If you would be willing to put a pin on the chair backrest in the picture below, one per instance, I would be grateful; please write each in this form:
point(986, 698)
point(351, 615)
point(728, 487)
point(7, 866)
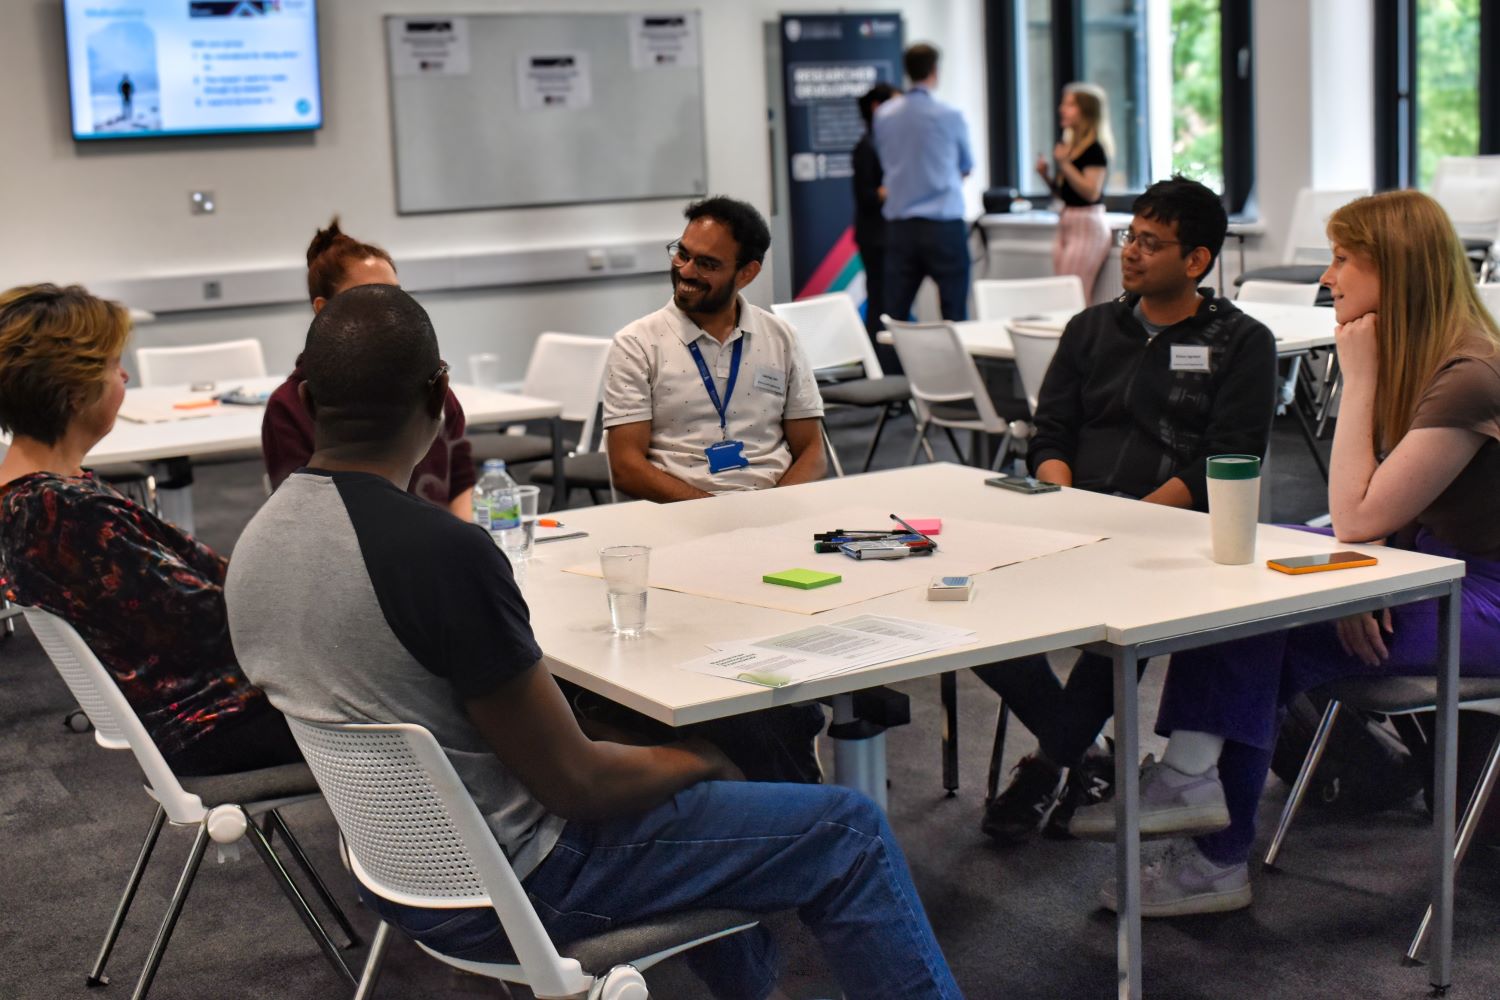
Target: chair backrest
point(1011, 297)
point(1306, 237)
point(831, 332)
point(116, 725)
point(1284, 292)
point(221, 362)
point(941, 370)
point(416, 837)
point(1468, 188)
point(1490, 296)
point(568, 368)
point(1034, 350)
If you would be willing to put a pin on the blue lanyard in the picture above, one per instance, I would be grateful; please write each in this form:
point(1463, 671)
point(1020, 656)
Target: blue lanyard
point(708, 380)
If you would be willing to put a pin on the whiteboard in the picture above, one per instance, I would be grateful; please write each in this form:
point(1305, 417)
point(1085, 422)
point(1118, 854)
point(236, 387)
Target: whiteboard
point(506, 110)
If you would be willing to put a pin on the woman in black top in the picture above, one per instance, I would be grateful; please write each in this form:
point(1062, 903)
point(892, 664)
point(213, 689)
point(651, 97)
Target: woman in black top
point(869, 223)
point(1082, 160)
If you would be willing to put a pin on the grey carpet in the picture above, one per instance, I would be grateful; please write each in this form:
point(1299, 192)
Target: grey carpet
point(1014, 923)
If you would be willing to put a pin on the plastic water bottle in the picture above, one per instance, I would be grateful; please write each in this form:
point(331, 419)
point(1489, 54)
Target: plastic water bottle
point(496, 509)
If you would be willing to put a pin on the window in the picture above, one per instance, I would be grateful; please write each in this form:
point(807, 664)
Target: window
point(1434, 96)
point(1176, 73)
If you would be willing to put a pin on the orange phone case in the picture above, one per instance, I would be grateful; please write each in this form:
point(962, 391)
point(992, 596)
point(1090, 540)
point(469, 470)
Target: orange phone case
point(1299, 570)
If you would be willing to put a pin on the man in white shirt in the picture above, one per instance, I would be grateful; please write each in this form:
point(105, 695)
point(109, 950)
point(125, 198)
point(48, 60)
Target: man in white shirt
point(710, 394)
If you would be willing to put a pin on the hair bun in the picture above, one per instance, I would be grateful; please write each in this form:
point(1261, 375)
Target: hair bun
point(324, 239)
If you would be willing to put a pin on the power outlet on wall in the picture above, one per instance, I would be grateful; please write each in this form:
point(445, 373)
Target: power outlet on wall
point(201, 203)
point(212, 290)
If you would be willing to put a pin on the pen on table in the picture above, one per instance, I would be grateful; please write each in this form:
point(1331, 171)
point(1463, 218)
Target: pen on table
point(914, 531)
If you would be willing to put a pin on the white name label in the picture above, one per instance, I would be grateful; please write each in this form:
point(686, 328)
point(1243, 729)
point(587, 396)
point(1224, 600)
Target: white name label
point(1190, 358)
point(770, 380)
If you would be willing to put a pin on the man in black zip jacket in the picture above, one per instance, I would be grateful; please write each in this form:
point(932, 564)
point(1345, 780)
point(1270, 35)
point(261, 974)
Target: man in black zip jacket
point(1140, 392)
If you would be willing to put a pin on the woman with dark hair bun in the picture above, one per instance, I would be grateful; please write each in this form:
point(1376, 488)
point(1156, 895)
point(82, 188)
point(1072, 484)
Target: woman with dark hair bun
point(337, 262)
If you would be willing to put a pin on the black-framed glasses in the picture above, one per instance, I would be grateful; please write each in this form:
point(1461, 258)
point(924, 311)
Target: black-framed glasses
point(1147, 243)
point(442, 369)
point(680, 258)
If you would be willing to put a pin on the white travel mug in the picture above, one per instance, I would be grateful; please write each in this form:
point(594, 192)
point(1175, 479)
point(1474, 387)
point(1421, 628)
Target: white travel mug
point(1233, 507)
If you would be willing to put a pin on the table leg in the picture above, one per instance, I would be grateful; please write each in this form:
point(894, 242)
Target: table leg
point(859, 762)
point(559, 468)
point(1445, 764)
point(1127, 824)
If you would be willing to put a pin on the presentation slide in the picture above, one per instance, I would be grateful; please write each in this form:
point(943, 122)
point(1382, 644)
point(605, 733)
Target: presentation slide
point(192, 67)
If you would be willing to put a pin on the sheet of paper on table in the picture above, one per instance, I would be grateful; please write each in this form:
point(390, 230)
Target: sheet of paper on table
point(160, 405)
point(729, 566)
point(824, 650)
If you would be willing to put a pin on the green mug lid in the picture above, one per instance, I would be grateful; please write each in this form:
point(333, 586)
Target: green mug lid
point(1233, 467)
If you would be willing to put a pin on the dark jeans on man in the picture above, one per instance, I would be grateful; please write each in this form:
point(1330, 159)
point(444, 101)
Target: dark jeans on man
point(1066, 720)
point(927, 248)
point(873, 258)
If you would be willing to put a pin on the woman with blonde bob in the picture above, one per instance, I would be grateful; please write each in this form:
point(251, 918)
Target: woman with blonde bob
point(147, 599)
point(1082, 160)
point(1415, 465)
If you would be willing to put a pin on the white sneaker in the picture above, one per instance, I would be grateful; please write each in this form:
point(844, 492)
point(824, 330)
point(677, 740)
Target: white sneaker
point(1177, 880)
point(1172, 804)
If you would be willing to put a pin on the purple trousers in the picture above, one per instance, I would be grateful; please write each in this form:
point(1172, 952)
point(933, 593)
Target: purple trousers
point(1238, 689)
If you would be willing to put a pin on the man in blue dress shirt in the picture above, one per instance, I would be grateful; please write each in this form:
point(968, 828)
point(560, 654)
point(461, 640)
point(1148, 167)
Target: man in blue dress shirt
point(923, 145)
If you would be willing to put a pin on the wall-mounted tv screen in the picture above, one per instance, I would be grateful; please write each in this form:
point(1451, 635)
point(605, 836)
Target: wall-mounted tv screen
point(139, 68)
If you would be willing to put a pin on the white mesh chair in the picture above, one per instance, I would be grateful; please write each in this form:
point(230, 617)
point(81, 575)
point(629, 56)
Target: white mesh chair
point(1468, 188)
point(223, 808)
point(415, 837)
point(1034, 350)
point(1390, 696)
point(946, 387)
point(569, 369)
point(1002, 299)
point(1283, 292)
point(839, 350)
point(218, 363)
point(1305, 252)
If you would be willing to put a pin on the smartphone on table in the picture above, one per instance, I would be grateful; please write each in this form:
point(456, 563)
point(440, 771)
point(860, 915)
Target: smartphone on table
point(1297, 565)
point(1022, 484)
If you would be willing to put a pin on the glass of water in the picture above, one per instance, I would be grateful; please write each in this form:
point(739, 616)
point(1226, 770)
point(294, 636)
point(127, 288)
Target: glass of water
point(625, 568)
point(518, 542)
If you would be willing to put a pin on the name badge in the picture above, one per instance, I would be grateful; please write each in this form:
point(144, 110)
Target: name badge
point(1190, 358)
point(725, 455)
point(770, 380)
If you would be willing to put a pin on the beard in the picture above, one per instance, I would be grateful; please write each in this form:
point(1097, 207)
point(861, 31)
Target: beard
point(699, 297)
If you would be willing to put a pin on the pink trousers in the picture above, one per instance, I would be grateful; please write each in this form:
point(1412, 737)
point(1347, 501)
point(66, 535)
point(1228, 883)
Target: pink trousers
point(1082, 244)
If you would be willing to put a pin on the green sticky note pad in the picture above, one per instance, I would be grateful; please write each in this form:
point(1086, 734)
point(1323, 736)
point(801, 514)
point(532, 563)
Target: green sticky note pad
point(802, 579)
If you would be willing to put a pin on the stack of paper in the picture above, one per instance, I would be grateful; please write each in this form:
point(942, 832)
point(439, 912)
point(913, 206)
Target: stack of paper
point(824, 650)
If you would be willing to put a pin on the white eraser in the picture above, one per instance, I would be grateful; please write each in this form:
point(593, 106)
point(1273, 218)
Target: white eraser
point(950, 588)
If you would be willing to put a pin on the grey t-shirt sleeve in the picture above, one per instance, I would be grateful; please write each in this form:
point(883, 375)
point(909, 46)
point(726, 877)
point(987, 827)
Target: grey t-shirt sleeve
point(445, 590)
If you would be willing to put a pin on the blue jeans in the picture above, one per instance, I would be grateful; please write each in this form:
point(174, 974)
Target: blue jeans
point(1238, 689)
point(824, 851)
point(927, 248)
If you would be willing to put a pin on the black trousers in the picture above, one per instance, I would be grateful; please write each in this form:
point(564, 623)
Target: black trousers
point(873, 258)
point(927, 248)
point(1065, 719)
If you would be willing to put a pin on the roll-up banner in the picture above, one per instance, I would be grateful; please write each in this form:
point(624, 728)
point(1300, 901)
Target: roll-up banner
point(828, 61)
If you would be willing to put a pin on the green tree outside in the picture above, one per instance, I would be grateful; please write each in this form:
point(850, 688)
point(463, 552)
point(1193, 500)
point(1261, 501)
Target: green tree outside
point(1197, 121)
point(1447, 83)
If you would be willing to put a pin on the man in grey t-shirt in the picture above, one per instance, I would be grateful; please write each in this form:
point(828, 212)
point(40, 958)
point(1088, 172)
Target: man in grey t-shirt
point(351, 601)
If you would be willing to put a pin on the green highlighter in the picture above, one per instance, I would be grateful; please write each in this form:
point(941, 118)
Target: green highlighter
point(802, 579)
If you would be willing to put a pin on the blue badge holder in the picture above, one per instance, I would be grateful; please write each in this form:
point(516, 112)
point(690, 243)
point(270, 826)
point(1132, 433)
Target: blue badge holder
point(725, 455)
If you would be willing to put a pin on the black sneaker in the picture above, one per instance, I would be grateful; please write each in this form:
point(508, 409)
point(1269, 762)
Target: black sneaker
point(1017, 813)
point(1090, 783)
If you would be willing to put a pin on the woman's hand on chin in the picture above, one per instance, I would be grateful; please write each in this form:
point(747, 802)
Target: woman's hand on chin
point(1359, 348)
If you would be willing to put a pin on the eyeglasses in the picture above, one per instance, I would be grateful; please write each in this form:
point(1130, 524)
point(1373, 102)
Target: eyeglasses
point(442, 369)
point(1148, 244)
point(680, 257)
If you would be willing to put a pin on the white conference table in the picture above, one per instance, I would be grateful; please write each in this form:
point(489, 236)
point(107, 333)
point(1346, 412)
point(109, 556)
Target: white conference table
point(226, 429)
point(1150, 588)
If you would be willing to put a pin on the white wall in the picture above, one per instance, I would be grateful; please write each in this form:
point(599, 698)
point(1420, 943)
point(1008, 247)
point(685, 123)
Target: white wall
point(117, 211)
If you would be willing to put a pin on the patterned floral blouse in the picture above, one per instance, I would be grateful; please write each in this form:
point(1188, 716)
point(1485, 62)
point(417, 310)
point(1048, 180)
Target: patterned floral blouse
point(148, 599)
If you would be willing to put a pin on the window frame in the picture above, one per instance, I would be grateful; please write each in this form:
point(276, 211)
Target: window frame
point(1237, 83)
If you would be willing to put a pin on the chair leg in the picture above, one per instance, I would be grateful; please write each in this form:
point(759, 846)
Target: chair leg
point(919, 443)
point(997, 753)
point(276, 821)
point(97, 976)
point(174, 910)
point(1002, 452)
point(1299, 787)
point(885, 413)
point(1473, 813)
point(912, 409)
point(299, 902)
point(953, 440)
point(371, 975)
point(833, 456)
point(948, 687)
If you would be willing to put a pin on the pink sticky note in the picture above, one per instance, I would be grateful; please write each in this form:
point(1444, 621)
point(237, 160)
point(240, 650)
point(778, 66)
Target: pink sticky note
point(926, 525)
